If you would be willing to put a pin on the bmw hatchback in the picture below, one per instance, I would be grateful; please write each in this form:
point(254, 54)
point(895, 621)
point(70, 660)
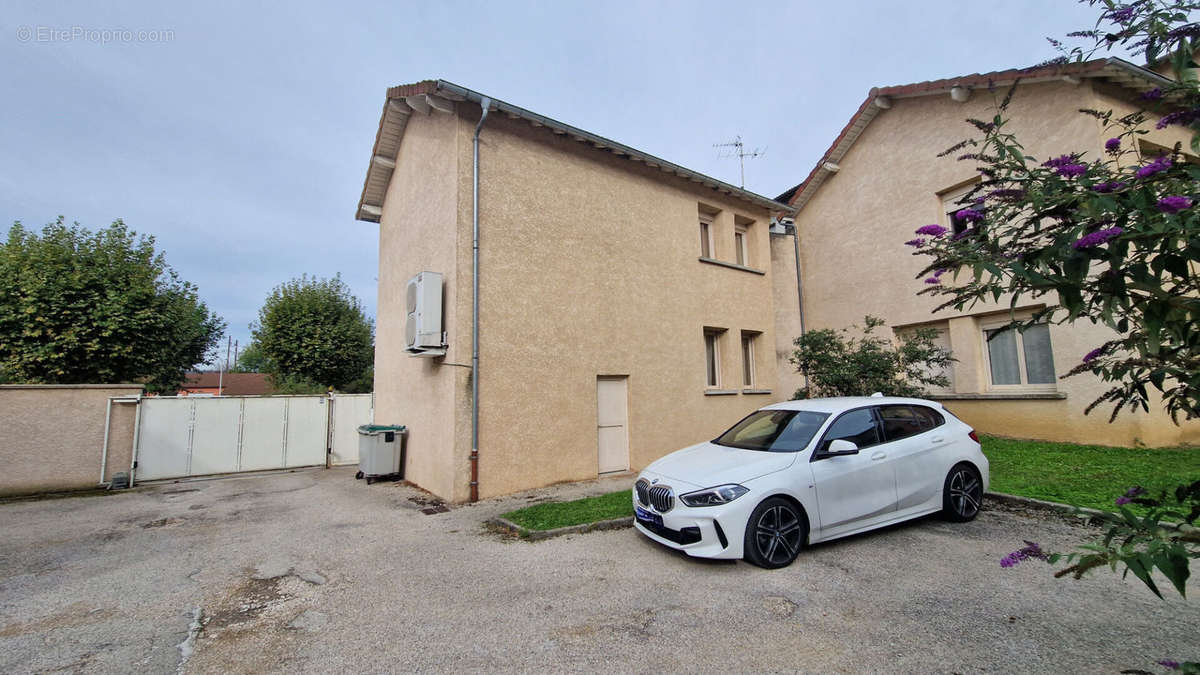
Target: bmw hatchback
point(802, 472)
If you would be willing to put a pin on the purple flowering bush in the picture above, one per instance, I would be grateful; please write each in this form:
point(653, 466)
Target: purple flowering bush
point(1105, 235)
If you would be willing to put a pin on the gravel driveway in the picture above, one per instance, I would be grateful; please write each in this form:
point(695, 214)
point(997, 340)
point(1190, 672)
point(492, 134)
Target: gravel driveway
point(314, 571)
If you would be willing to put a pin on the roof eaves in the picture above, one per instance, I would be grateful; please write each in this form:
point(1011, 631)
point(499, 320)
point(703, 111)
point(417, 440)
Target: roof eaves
point(396, 112)
point(799, 195)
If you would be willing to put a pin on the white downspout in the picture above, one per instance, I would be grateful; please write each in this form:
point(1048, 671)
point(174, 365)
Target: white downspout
point(484, 104)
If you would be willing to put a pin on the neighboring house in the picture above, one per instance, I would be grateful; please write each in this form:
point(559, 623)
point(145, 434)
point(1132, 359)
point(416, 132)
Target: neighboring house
point(232, 384)
point(627, 306)
point(881, 180)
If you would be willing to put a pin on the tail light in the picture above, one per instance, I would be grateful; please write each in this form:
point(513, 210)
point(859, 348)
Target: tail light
point(974, 436)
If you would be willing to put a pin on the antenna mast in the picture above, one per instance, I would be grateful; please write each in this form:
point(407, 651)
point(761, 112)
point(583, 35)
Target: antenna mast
point(738, 149)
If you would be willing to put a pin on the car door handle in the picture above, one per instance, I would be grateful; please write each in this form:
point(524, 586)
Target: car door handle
point(937, 439)
point(879, 455)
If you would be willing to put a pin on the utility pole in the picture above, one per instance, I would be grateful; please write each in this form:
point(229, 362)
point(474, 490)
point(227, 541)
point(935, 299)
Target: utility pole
point(224, 365)
point(739, 151)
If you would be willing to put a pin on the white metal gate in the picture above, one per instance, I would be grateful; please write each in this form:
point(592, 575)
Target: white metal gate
point(349, 412)
point(198, 436)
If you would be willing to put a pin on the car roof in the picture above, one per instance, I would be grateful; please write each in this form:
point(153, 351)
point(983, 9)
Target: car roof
point(842, 403)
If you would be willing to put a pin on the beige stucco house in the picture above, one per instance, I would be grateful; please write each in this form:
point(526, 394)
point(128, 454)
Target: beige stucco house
point(881, 179)
point(626, 306)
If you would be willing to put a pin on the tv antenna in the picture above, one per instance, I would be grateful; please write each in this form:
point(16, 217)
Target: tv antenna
point(736, 148)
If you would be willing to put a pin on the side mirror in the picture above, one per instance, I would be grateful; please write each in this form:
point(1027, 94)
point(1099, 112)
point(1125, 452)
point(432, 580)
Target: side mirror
point(841, 447)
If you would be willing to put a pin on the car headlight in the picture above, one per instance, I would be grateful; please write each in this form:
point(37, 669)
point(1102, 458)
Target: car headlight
point(714, 496)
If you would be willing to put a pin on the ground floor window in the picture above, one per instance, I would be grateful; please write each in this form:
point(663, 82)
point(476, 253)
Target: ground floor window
point(1019, 358)
point(748, 375)
point(712, 356)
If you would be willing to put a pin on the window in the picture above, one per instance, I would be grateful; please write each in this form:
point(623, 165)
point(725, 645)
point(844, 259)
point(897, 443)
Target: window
point(748, 339)
point(856, 426)
point(942, 339)
point(774, 430)
point(899, 421)
point(739, 245)
point(928, 417)
point(1020, 358)
point(705, 238)
point(951, 207)
point(712, 356)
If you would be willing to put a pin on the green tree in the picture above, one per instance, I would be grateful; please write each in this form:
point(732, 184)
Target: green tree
point(82, 307)
point(1110, 237)
point(314, 331)
point(252, 360)
point(835, 363)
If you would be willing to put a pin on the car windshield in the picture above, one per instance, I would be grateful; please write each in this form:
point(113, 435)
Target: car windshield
point(774, 431)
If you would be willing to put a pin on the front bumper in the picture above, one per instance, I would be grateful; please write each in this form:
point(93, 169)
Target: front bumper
point(698, 531)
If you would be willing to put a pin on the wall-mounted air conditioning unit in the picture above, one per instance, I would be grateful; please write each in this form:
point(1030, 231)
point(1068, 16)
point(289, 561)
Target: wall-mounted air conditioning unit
point(423, 334)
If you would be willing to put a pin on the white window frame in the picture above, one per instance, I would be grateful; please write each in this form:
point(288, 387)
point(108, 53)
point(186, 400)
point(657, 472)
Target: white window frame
point(950, 203)
point(749, 372)
point(715, 335)
point(706, 237)
point(1024, 386)
point(741, 252)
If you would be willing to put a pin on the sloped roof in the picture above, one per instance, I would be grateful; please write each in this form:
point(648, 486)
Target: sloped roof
point(233, 384)
point(1117, 71)
point(440, 95)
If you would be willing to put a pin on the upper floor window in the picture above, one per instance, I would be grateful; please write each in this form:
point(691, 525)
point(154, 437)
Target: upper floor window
point(952, 207)
point(706, 247)
point(739, 244)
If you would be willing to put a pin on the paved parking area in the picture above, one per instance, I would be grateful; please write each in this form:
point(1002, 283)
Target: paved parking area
point(314, 571)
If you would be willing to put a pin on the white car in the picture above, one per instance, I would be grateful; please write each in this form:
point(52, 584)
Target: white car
point(801, 472)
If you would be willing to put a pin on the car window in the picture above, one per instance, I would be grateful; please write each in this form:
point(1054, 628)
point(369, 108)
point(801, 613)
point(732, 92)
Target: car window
point(856, 426)
point(900, 421)
point(928, 417)
point(774, 430)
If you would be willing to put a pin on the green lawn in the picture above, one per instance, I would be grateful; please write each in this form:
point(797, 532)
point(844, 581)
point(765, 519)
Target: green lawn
point(552, 515)
point(1084, 475)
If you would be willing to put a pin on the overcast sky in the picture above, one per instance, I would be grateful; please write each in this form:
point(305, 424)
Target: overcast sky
point(238, 134)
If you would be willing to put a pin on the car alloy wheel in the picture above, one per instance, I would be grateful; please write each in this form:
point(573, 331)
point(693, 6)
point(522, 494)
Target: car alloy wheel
point(963, 493)
point(775, 533)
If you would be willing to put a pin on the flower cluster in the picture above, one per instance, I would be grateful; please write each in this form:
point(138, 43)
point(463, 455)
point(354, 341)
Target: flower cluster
point(1181, 117)
point(1071, 170)
point(969, 215)
point(1108, 187)
point(1162, 163)
point(1154, 94)
point(937, 276)
point(1030, 550)
point(1121, 14)
point(1060, 161)
point(915, 243)
point(1096, 238)
point(1093, 355)
point(1169, 664)
point(1007, 194)
point(1129, 495)
point(932, 230)
point(1174, 204)
point(1113, 145)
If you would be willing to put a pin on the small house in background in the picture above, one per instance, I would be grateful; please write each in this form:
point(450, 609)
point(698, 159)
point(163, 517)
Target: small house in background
point(881, 179)
point(229, 384)
point(627, 306)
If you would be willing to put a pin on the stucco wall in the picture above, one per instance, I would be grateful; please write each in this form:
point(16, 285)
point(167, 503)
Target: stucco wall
point(589, 267)
point(854, 261)
point(787, 312)
point(419, 232)
point(52, 436)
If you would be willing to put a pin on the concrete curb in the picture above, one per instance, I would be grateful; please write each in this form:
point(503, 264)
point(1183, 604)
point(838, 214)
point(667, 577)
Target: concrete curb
point(1043, 504)
point(538, 535)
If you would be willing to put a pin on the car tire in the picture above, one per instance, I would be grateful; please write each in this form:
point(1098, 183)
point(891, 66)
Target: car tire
point(962, 494)
point(775, 533)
